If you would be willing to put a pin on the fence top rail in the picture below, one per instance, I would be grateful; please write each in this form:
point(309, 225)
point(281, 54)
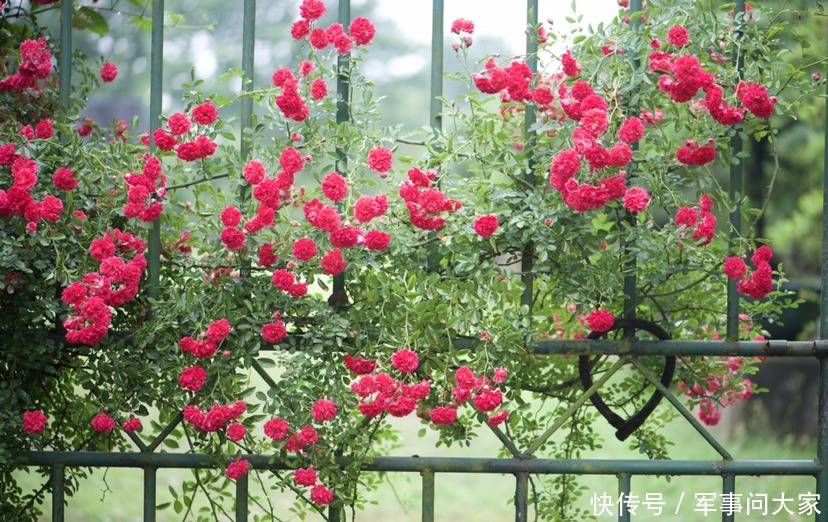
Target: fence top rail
point(442, 464)
point(772, 348)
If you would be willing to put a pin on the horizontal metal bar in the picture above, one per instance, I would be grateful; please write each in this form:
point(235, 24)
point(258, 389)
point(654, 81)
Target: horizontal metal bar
point(775, 348)
point(442, 464)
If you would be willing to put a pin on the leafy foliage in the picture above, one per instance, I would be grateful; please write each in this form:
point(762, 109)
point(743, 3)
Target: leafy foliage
point(448, 294)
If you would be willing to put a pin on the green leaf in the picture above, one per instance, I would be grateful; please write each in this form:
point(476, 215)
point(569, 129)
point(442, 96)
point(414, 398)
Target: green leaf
point(87, 18)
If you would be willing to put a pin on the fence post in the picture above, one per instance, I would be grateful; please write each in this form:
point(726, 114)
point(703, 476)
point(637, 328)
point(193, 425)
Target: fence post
point(521, 496)
point(822, 431)
point(242, 498)
point(156, 91)
point(65, 65)
point(527, 259)
point(437, 43)
point(624, 488)
point(435, 108)
point(734, 192)
point(631, 279)
point(248, 50)
point(57, 492)
point(149, 493)
point(343, 98)
point(428, 496)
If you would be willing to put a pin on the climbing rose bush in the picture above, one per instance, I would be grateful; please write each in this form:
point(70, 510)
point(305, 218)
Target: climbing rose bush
point(311, 293)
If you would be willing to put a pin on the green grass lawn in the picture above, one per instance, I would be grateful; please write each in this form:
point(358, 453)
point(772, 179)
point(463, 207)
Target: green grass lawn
point(116, 494)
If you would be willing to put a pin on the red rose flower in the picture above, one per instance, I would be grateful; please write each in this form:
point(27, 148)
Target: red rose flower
point(298, 289)
point(276, 428)
point(109, 72)
point(43, 129)
point(380, 159)
point(254, 172)
point(485, 226)
point(307, 436)
point(236, 431)
point(231, 216)
point(600, 320)
point(631, 130)
point(636, 199)
point(405, 361)
point(443, 415)
point(291, 161)
point(323, 410)
point(133, 424)
point(274, 333)
point(312, 9)
point(462, 25)
point(305, 477)
point(192, 378)
point(304, 249)
point(488, 400)
point(34, 422)
point(218, 330)
point(103, 423)
point(570, 66)
point(266, 255)
point(282, 279)
point(237, 469)
point(232, 238)
point(677, 35)
point(299, 29)
point(319, 89)
point(179, 124)
point(63, 179)
point(318, 39)
point(377, 240)
point(205, 114)
point(163, 140)
point(361, 31)
point(497, 419)
point(359, 365)
point(320, 495)
point(334, 187)
point(734, 267)
point(333, 262)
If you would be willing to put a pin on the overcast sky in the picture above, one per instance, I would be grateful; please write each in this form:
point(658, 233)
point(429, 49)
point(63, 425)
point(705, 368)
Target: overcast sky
point(503, 18)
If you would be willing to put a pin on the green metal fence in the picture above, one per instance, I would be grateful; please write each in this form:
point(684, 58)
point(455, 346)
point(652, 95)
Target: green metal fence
point(522, 464)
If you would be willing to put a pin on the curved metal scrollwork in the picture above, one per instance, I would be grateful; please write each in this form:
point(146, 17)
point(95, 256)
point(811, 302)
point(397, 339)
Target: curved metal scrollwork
point(625, 428)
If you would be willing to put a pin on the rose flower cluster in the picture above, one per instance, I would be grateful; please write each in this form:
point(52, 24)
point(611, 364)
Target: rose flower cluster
point(186, 141)
point(114, 284)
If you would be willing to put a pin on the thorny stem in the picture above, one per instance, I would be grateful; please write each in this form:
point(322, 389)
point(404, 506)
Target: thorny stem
point(205, 179)
point(699, 281)
point(772, 139)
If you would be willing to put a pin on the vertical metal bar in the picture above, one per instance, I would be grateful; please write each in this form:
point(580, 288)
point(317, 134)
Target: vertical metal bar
point(334, 514)
point(342, 115)
point(65, 73)
point(156, 90)
point(248, 49)
point(57, 493)
point(527, 261)
point(437, 16)
point(436, 90)
point(149, 493)
point(521, 497)
point(428, 495)
point(242, 498)
point(735, 192)
point(630, 280)
point(822, 432)
point(624, 489)
point(728, 487)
